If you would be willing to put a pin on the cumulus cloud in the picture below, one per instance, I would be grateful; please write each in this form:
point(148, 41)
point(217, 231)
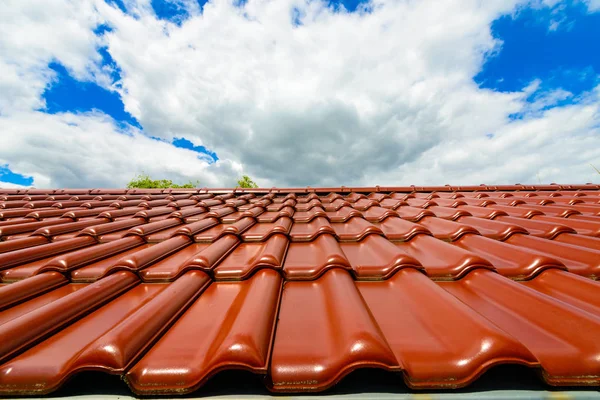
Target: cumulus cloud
point(35, 32)
point(9, 185)
point(593, 5)
point(64, 150)
point(292, 92)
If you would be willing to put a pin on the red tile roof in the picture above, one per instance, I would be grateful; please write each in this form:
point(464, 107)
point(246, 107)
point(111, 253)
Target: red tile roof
point(302, 286)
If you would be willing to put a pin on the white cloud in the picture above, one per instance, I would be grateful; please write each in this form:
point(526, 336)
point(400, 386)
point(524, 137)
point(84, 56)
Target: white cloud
point(9, 185)
point(593, 5)
point(64, 150)
point(557, 146)
point(384, 97)
point(36, 32)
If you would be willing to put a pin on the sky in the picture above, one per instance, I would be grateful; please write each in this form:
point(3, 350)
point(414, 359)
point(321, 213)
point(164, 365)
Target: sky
point(299, 92)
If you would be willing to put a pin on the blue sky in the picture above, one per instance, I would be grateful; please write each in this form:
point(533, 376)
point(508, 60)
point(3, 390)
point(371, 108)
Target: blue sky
point(545, 49)
point(566, 57)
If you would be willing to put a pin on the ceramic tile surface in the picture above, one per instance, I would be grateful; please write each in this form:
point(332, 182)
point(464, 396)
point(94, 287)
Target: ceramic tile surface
point(167, 288)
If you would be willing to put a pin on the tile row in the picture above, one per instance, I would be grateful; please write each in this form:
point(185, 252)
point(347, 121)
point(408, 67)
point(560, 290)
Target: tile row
point(170, 338)
point(445, 248)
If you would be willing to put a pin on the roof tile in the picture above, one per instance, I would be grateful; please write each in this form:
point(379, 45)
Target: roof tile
point(20, 333)
point(236, 335)
point(262, 231)
point(246, 258)
point(375, 258)
point(544, 229)
point(442, 261)
point(311, 359)
point(446, 230)
point(306, 261)
point(398, 229)
point(437, 283)
point(355, 229)
point(309, 231)
point(439, 341)
point(510, 260)
point(216, 232)
point(579, 260)
point(546, 326)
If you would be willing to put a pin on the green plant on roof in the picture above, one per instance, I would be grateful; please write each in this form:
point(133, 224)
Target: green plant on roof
point(144, 181)
point(246, 182)
point(597, 170)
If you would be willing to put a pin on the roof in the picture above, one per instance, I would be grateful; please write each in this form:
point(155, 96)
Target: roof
point(166, 288)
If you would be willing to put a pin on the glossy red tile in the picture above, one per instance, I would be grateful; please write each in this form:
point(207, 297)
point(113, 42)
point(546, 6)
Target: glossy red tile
point(307, 358)
point(378, 214)
point(235, 321)
point(237, 228)
point(439, 341)
point(336, 205)
point(247, 258)
point(22, 332)
point(107, 339)
point(153, 227)
point(398, 229)
point(262, 231)
point(450, 203)
point(509, 260)
point(517, 212)
point(365, 204)
point(22, 256)
point(375, 258)
point(303, 207)
point(272, 216)
point(553, 211)
point(587, 209)
point(164, 234)
point(14, 213)
point(18, 244)
point(306, 261)
point(543, 229)
point(89, 255)
point(442, 260)
point(421, 203)
point(378, 196)
point(103, 228)
point(309, 231)
point(21, 291)
point(482, 212)
point(193, 228)
point(27, 227)
point(448, 213)
point(392, 203)
point(307, 216)
point(447, 230)
point(579, 240)
point(135, 261)
point(570, 288)
point(171, 267)
point(343, 214)
point(546, 326)
point(581, 226)
point(355, 229)
point(210, 256)
point(414, 214)
point(20, 309)
point(578, 260)
point(493, 229)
